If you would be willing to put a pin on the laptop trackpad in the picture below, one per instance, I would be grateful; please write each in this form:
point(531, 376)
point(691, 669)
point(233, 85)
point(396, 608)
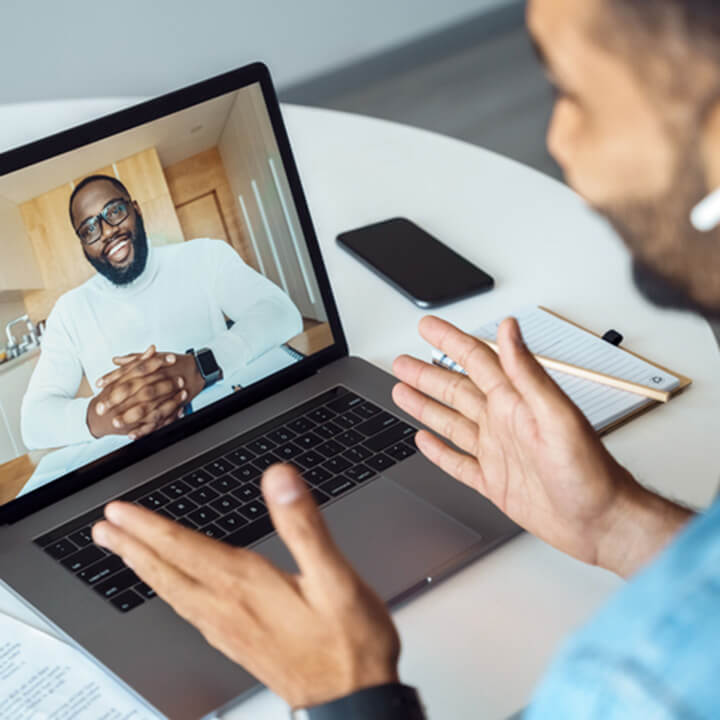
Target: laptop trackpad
point(392, 537)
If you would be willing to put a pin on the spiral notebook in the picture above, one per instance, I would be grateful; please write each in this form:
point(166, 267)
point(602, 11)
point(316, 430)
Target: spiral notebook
point(551, 335)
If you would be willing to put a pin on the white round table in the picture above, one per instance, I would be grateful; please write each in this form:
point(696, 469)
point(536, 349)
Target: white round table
point(477, 644)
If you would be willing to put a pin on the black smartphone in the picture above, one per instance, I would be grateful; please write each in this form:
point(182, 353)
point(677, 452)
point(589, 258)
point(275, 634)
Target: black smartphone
point(415, 263)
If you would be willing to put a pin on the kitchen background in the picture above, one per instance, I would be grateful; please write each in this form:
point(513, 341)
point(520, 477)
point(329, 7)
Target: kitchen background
point(212, 170)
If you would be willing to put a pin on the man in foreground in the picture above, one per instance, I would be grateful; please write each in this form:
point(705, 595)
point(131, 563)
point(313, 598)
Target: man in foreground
point(637, 130)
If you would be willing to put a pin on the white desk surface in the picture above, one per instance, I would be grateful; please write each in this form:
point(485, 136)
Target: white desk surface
point(477, 644)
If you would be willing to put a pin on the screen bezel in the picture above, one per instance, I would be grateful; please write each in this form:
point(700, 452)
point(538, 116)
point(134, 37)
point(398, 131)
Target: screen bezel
point(127, 119)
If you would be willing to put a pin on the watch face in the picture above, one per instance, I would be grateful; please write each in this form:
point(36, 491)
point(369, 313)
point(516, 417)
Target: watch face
point(207, 362)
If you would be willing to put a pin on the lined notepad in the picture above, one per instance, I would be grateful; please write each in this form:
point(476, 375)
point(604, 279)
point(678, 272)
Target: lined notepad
point(548, 335)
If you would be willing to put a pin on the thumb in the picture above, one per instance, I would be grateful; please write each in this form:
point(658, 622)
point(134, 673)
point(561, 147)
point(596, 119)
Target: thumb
point(301, 526)
point(537, 388)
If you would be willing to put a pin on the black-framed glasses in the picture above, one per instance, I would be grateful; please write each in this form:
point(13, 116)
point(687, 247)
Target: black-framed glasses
point(113, 214)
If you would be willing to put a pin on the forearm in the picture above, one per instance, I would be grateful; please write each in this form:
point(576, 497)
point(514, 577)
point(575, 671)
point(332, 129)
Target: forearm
point(643, 524)
point(51, 421)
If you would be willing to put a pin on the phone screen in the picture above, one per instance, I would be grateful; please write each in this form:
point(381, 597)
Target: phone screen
point(415, 263)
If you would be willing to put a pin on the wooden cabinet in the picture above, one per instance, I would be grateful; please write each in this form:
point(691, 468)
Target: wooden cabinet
point(56, 247)
point(18, 268)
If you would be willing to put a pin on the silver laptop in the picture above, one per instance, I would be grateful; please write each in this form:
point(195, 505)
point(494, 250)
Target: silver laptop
point(181, 224)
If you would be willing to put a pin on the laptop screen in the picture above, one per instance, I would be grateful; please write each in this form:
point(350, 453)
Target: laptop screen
point(143, 278)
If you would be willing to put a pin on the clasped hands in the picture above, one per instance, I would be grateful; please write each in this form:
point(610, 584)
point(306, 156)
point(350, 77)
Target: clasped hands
point(506, 430)
point(145, 392)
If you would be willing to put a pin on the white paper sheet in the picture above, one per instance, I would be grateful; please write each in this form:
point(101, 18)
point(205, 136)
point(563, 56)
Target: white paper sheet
point(44, 678)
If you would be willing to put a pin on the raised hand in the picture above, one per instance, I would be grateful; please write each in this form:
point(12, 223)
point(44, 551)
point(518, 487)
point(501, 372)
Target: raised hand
point(524, 445)
point(147, 391)
point(311, 637)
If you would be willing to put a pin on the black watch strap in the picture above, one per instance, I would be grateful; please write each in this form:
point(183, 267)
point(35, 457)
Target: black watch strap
point(384, 702)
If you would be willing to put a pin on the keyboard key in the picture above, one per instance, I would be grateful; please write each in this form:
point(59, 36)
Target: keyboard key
point(81, 538)
point(250, 533)
point(181, 507)
point(331, 448)
point(246, 473)
point(197, 478)
point(247, 492)
point(253, 510)
point(288, 451)
point(203, 516)
point(337, 465)
point(176, 489)
point(261, 445)
point(377, 424)
point(144, 590)
point(380, 462)
point(240, 456)
point(309, 459)
point(344, 403)
point(203, 495)
point(154, 501)
point(282, 435)
point(357, 454)
point(83, 558)
point(225, 504)
point(188, 523)
point(327, 430)
point(321, 415)
point(61, 548)
point(349, 437)
point(117, 583)
point(164, 513)
point(308, 440)
point(219, 467)
point(316, 475)
point(367, 409)
point(301, 425)
point(224, 484)
point(319, 497)
point(337, 486)
point(101, 569)
point(400, 451)
point(390, 437)
point(360, 473)
point(213, 531)
point(231, 522)
point(127, 601)
point(265, 461)
point(348, 420)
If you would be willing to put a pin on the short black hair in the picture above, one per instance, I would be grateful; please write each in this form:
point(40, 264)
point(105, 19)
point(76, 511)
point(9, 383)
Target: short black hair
point(91, 179)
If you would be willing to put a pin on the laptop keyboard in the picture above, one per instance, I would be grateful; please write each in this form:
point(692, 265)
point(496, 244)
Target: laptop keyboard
point(337, 440)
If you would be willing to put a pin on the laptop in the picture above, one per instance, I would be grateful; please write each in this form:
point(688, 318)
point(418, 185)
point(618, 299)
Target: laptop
point(181, 223)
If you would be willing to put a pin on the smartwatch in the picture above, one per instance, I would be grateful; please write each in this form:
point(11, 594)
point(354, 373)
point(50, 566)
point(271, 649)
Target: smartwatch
point(207, 365)
point(393, 701)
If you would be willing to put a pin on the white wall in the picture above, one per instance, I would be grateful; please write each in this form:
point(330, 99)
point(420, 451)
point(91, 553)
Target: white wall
point(87, 48)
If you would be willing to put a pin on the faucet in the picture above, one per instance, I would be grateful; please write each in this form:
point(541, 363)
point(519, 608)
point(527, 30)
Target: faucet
point(13, 349)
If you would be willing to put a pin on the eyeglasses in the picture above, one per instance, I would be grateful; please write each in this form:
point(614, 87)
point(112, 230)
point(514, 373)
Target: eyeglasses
point(113, 214)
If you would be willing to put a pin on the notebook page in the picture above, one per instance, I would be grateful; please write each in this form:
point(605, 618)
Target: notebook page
point(545, 334)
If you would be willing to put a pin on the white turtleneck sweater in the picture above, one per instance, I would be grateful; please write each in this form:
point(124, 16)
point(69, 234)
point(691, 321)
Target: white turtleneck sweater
point(179, 302)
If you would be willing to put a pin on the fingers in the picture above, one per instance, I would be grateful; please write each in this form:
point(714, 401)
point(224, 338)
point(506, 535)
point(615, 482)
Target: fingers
point(302, 528)
point(139, 368)
point(126, 360)
point(169, 582)
point(149, 414)
point(450, 424)
point(541, 393)
point(184, 555)
point(476, 358)
point(450, 388)
point(462, 467)
point(140, 389)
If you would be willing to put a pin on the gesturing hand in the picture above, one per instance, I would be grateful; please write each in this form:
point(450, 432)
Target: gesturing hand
point(526, 447)
point(146, 392)
point(311, 637)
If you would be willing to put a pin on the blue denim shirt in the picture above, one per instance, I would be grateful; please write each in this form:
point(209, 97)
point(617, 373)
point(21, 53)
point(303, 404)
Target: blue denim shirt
point(654, 651)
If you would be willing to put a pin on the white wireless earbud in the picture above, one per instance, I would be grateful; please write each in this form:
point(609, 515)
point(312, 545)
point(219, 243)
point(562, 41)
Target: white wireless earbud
point(706, 214)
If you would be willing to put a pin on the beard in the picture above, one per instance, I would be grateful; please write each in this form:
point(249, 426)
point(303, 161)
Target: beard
point(674, 265)
point(126, 275)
